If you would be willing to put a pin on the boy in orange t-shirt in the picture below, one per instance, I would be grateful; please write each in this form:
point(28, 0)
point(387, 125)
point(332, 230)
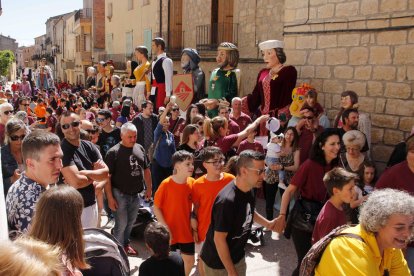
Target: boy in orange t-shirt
point(204, 192)
point(40, 111)
point(172, 206)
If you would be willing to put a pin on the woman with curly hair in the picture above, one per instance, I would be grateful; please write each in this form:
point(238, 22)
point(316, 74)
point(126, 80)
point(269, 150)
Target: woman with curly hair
point(385, 228)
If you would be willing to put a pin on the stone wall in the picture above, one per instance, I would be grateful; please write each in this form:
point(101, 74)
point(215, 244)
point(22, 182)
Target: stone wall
point(366, 46)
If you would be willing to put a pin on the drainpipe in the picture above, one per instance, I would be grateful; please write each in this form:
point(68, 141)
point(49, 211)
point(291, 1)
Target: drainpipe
point(160, 17)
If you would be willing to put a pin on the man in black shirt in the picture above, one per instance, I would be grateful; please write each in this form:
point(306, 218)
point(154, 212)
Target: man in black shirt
point(110, 135)
point(129, 170)
point(146, 122)
point(232, 217)
point(82, 165)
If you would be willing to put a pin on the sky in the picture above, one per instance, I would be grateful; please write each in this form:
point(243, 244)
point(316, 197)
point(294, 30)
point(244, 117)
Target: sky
point(24, 20)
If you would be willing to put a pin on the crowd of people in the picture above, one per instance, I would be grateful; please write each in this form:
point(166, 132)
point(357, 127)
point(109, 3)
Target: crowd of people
point(70, 155)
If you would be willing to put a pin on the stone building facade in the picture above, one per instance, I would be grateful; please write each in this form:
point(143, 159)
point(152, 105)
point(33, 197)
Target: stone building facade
point(336, 45)
point(366, 46)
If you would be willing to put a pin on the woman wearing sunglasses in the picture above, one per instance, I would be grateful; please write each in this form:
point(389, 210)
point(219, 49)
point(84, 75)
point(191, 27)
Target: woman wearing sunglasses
point(11, 154)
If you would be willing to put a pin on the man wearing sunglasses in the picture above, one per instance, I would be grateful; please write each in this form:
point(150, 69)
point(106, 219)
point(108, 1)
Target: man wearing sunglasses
point(82, 167)
point(232, 217)
point(6, 113)
point(308, 128)
point(110, 135)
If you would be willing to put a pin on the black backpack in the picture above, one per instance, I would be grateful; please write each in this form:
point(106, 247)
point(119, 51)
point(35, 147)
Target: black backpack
point(314, 255)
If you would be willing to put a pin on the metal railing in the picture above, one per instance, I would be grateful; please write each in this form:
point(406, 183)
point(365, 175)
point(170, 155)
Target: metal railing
point(83, 14)
point(118, 59)
point(209, 36)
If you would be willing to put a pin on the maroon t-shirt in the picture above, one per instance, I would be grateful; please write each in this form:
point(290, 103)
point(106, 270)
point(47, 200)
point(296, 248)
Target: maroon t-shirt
point(305, 142)
point(2, 129)
point(233, 127)
point(243, 121)
point(328, 219)
point(398, 177)
point(225, 143)
point(246, 145)
point(309, 180)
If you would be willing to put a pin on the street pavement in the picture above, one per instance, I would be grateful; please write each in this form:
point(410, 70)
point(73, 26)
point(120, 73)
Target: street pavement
point(276, 257)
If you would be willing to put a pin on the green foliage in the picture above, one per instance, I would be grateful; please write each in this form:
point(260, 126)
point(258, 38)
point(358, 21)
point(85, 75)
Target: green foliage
point(6, 59)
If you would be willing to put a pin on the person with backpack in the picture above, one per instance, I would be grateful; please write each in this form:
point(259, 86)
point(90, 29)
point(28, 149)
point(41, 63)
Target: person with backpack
point(340, 185)
point(373, 247)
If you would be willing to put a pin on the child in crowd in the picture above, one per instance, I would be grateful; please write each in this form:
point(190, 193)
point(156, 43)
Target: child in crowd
point(311, 101)
point(172, 206)
point(273, 157)
point(364, 187)
point(250, 143)
point(367, 176)
point(116, 93)
point(162, 262)
point(340, 185)
point(204, 192)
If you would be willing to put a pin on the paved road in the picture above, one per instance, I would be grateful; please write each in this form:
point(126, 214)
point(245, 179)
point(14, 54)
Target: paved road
point(276, 257)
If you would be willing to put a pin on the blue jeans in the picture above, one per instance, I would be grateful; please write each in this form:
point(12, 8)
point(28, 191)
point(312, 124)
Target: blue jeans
point(125, 215)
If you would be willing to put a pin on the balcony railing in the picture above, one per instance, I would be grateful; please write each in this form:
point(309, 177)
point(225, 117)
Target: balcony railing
point(209, 36)
point(118, 59)
point(83, 14)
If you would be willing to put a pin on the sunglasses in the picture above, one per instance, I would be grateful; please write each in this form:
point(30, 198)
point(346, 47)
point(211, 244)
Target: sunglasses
point(174, 109)
point(7, 112)
point(92, 131)
point(99, 120)
point(73, 124)
point(308, 117)
point(16, 138)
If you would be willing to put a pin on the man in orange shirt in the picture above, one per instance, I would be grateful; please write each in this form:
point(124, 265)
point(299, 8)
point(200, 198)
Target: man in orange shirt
point(172, 206)
point(204, 192)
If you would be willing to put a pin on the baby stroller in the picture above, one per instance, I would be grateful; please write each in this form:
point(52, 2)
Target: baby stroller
point(144, 217)
point(105, 254)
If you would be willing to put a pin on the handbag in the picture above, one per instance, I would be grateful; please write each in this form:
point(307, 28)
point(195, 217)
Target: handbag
point(152, 149)
point(303, 216)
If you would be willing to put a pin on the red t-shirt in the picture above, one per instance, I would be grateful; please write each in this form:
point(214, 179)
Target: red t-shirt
point(174, 201)
point(328, 219)
point(243, 121)
point(233, 127)
point(204, 193)
point(246, 145)
point(398, 177)
point(225, 143)
point(305, 142)
point(309, 180)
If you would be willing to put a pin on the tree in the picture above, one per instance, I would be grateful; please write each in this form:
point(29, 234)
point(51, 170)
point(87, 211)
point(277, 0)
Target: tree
point(6, 59)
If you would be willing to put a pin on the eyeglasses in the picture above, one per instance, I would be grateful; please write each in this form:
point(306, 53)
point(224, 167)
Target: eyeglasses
point(259, 171)
point(99, 120)
point(216, 162)
point(7, 112)
point(16, 138)
point(73, 124)
point(308, 117)
point(174, 109)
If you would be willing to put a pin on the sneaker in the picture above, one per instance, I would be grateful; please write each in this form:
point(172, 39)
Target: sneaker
point(130, 251)
point(282, 185)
